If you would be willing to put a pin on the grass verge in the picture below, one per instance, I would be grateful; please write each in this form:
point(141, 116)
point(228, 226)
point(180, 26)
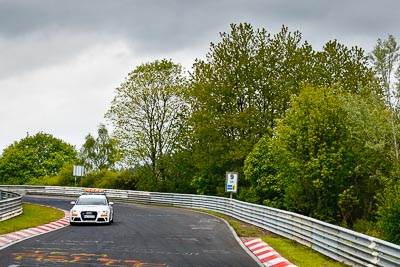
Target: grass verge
point(296, 253)
point(33, 215)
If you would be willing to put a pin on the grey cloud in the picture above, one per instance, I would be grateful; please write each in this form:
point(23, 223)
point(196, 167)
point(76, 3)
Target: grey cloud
point(40, 33)
point(151, 22)
point(56, 50)
point(47, 32)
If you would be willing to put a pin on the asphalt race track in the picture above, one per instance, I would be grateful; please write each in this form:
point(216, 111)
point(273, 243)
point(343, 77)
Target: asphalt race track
point(141, 236)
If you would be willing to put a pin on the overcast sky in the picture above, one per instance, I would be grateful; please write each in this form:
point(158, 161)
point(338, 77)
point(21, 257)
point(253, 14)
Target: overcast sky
point(60, 61)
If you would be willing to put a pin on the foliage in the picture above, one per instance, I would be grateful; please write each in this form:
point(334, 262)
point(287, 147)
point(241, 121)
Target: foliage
point(251, 77)
point(341, 67)
point(179, 172)
point(122, 179)
point(100, 153)
point(368, 227)
point(36, 156)
point(149, 113)
point(311, 137)
point(243, 75)
point(385, 59)
point(322, 160)
point(368, 123)
point(109, 179)
point(389, 213)
point(261, 170)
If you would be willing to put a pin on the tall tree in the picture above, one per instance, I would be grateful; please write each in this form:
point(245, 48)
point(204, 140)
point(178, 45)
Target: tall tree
point(385, 59)
point(148, 113)
point(245, 85)
point(310, 139)
point(327, 158)
point(237, 94)
point(33, 157)
point(101, 152)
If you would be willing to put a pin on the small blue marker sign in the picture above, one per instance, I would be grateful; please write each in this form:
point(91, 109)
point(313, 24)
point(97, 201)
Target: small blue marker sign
point(231, 182)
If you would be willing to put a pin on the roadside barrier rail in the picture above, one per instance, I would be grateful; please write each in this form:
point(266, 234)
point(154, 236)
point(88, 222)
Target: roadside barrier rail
point(338, 243)
point(10, 205)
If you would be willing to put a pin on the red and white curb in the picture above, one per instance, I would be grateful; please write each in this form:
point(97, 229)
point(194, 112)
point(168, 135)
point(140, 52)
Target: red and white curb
point(266, 254)
point(12, 238)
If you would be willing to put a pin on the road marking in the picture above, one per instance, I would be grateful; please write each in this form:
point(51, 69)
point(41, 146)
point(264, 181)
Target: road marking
point(12, 238)
point(266, 254)
point(66, 257)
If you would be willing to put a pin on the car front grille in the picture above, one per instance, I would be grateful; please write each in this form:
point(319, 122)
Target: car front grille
point(88, 215)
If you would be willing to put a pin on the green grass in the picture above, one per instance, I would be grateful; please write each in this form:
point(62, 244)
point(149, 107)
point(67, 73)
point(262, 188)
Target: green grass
point(296, 253)
point(33, 215)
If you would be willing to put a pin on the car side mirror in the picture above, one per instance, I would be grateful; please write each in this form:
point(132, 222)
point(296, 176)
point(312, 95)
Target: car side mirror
point(111, 203)
point(73, 202)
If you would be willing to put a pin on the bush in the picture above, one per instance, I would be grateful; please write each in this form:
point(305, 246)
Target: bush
point(389, 214)
point(367, 227)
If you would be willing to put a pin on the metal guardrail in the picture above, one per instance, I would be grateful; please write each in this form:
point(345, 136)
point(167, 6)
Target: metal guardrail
point(10, 205)
point(338, 243)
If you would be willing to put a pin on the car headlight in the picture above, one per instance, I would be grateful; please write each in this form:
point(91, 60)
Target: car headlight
point(104, 213)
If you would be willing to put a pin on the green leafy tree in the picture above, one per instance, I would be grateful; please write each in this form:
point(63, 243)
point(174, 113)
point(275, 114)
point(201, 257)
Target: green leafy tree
point(149, 113)
point(64, 177)
point(237, 94)
point(341, 67)
point(370, 149)
point(246, 84)
point(101, 152)
point(385, 59)
point(261, 170)
point(327, 158)
point(311, 137)
point(389, 214)
point(36, 156)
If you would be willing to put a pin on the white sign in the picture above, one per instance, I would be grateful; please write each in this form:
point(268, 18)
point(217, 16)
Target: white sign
point(79, 170)
point(231, 182)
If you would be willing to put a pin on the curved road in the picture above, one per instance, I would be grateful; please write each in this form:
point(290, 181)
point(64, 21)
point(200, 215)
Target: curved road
point(141, 236)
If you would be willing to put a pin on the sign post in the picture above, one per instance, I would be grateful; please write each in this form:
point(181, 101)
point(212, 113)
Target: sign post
point(78, 171)
point(231, 182)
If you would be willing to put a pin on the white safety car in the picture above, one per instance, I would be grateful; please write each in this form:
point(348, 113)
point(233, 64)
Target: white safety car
point(92, 206)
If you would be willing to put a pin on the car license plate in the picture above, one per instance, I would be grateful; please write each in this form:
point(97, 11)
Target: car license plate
point(89, 216)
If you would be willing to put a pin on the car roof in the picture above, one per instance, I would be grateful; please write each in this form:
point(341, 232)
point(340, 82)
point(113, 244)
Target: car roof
point(92, 196)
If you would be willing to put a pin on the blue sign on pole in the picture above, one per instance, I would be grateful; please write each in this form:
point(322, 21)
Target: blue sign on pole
point(231, 182)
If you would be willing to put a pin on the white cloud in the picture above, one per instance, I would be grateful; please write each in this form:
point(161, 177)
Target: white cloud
point(69, 100)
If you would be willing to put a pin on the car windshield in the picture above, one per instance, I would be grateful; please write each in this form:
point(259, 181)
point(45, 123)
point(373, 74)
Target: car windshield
point(91, 201)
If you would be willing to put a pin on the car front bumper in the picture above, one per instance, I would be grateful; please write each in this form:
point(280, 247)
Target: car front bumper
point(89, 217)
